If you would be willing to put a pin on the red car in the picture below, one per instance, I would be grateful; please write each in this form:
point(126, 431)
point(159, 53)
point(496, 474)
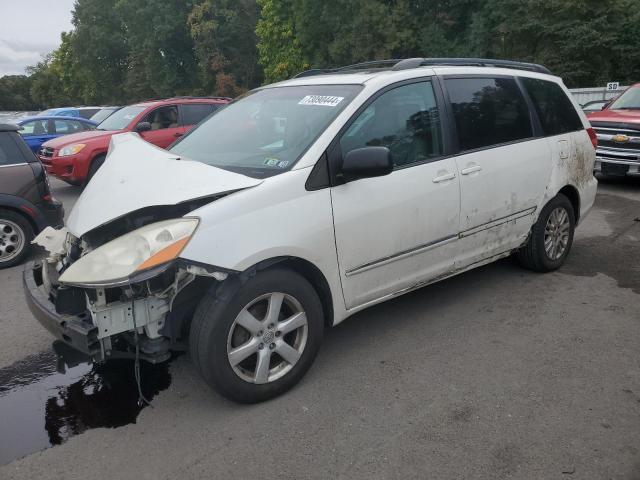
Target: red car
point(618, 130)
point(76, 158)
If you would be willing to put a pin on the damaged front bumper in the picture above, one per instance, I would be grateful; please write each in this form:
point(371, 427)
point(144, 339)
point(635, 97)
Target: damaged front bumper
point(77, 331)
point(106, 323)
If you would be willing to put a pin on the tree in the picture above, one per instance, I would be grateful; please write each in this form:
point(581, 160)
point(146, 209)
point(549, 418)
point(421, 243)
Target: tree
point(585, 42)
point(279, 46)
point(99, 52)
point(223, 33)
point(161, 59)
point(15, 93)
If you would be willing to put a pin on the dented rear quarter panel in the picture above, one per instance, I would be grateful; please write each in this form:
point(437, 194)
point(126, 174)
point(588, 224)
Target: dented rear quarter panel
point(577, 168)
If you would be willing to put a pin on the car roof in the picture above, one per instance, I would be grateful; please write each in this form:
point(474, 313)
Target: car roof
point(22, 120)
point(361, 74)
point(9, 127)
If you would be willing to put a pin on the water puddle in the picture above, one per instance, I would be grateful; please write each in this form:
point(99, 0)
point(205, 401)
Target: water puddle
point(47, 398)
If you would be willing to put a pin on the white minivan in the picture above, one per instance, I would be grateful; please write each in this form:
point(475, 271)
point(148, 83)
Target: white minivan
point(305, 201)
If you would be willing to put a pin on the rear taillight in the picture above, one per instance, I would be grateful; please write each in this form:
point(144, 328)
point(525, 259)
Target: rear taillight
point(593, 137)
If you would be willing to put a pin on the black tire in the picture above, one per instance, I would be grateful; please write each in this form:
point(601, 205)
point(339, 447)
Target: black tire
point(533, 254)
point(9, 222)
point(96, 163)
point(215, 316)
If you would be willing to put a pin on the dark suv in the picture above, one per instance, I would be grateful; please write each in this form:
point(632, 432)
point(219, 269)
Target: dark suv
point(26, 204)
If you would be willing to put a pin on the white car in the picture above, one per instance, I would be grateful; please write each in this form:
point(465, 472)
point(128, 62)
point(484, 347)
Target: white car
point(308, 200)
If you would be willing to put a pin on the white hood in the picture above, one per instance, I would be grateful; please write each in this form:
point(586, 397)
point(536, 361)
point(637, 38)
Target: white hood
point(137, 174)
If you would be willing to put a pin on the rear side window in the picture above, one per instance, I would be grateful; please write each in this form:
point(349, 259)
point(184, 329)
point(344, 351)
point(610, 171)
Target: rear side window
point(488, 111)
point(67, 126)
point(193, 113)
point(556, 112)
point(35, 127)
point(10, 153)
point(88, 112)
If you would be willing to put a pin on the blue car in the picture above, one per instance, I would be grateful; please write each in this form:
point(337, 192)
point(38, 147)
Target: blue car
point(83, 112)
point(39, 129)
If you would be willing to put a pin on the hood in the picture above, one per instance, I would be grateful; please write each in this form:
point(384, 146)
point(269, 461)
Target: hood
point(137, 175)
point(616, 116)
point(80, 137)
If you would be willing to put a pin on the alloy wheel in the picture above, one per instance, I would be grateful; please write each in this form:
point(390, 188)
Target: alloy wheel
point(556, 233)
point(12, 240)
point(267, 338)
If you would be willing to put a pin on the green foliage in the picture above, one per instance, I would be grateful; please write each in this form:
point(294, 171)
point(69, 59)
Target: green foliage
point(15, 93)
point(279, 46)
point(587, 42)
point(223, 32)
point(121, 51)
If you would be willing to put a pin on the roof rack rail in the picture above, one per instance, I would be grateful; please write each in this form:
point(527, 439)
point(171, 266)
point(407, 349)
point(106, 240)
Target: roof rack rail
point(471, 62)
point(407, 63)
point(372, 64)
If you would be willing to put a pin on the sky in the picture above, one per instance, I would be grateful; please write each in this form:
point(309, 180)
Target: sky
point(29, 29)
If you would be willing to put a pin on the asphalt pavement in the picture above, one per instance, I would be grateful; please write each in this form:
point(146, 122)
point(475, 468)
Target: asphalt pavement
point(496, 373)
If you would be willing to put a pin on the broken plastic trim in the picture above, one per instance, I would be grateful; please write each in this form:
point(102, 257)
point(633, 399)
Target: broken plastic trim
point(193, 267)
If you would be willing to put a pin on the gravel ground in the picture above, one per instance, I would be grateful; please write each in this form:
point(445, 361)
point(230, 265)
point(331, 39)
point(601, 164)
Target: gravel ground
point(496, 373)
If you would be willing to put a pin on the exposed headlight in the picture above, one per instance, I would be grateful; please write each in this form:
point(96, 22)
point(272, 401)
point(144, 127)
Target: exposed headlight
point(151, 247)
point(71, 150)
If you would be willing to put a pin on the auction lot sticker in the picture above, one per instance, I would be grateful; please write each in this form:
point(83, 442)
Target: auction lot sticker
point(322, 100)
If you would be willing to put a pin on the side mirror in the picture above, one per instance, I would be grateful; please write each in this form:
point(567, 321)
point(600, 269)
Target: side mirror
point(367, 162)
point(143, 127)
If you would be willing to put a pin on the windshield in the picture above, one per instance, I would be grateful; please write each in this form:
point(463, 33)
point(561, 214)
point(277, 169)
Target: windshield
point(102, 114)
point(121, 118)
point(267, 131)
point(629, 100)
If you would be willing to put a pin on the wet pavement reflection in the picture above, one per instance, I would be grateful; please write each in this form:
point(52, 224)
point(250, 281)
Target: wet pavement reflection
point(47, 398)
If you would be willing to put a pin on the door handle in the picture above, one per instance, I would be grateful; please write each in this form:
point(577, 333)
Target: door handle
point(470, 170)
point(444, 178)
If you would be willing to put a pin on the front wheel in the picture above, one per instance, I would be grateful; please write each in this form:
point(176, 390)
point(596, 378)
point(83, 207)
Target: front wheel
point(551, 236)
point(258, 342)
point(96, 163)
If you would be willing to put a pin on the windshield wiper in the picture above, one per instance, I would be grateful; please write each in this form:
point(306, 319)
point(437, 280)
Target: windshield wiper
point(627, 108)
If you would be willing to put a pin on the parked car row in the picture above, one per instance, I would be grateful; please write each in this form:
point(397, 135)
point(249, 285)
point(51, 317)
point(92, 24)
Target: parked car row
point(26, 202)
point(76, 158)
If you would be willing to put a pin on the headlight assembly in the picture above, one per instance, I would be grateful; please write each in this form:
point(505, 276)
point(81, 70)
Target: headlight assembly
point(150, 248)
point(71, 150)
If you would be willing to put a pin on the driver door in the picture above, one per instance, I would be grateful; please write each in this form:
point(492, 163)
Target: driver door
point(165, 126)
point(400, 230)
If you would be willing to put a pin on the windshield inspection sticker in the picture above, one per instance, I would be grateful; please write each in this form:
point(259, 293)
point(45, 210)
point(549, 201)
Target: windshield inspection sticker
point(270, 162)
point(322, 100)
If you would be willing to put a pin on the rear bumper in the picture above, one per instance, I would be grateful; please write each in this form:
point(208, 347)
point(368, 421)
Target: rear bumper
point(53, 213)
point(76, 331)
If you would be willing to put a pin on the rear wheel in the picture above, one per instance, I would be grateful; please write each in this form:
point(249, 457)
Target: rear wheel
point(551, 237)
point(96, 163)
point(15, 238)
point(258, 342)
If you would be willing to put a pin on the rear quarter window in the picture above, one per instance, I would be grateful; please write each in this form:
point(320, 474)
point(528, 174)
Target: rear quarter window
point(556, 112)
point(194, 113)
point(488, 111)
